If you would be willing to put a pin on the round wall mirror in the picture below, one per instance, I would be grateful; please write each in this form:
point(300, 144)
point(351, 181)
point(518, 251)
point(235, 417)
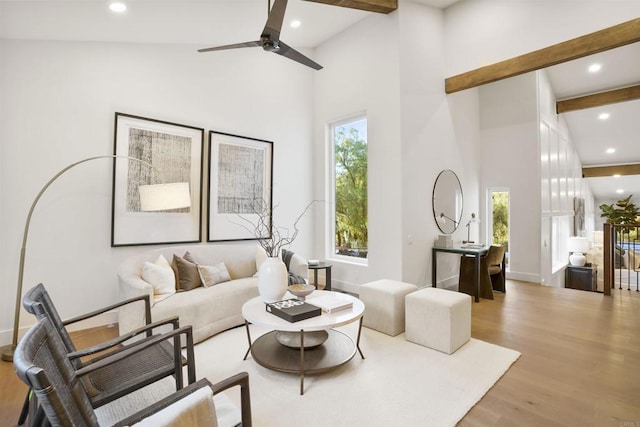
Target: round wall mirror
point(447, 201)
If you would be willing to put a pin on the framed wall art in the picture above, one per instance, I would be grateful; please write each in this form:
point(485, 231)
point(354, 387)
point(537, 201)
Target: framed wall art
point(578, 216)
point(168, 153)
point(240, 187)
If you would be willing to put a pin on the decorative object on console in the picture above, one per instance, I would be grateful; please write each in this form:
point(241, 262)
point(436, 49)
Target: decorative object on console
point(472, 219)
point(175, 152)
point(240, 184)
point(7, 351)
point(578, 246)
point(444, 241)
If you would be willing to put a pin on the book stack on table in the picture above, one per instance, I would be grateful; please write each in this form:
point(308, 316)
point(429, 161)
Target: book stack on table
point(330, 303)
point(293, 310)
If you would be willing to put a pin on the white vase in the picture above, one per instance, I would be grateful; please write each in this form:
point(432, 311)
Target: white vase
point(272, 279)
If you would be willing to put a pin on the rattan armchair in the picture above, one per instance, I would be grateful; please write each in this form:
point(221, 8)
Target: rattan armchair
point(41, 361)
point(115, 380)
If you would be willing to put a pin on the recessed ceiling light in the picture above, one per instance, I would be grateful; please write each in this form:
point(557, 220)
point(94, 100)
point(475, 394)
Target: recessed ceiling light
point(594, 68)
point(295, 23)
point(610, 150)
point(617, 175)
point(604, 116)
point(619, 191)
point(118, 7)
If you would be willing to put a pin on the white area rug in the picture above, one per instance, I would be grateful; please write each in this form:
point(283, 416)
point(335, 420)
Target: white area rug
point(397, 384)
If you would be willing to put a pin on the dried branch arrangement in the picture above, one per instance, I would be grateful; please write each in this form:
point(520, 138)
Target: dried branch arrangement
point(272, 239)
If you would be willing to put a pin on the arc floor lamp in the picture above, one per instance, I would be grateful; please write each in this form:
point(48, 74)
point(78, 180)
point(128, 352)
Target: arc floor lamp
point(154, 197)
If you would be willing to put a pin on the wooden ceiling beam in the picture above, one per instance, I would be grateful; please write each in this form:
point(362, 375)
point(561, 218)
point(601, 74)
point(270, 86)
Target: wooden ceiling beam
point(379, 6)
point(598, 99)
point(598, 171)
point(599, 41)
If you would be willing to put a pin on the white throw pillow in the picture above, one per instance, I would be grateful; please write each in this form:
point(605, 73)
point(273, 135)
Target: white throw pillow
point(160, 276)
point(210, 275)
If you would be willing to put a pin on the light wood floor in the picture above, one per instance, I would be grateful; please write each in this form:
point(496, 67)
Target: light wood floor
point(580, 363)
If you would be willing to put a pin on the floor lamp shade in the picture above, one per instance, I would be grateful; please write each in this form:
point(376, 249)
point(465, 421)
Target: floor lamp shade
point(160, 197)
point(164, 197)
point(578, 246)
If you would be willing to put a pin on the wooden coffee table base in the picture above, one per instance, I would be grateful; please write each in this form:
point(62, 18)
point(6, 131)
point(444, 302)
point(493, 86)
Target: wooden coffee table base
point(338, 349)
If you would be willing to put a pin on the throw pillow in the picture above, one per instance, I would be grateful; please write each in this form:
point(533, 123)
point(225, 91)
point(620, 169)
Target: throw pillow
point(211, 275)
point(160, 276)
point(187, 277)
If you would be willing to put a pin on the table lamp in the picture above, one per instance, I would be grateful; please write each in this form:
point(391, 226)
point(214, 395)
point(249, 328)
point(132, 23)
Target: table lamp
point(578, 246)
point(153, 197)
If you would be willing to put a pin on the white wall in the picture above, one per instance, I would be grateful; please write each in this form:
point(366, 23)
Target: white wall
point(509, 159)
point(438, 132)
point(58, 106)
point(391, 67)
point(361, 75)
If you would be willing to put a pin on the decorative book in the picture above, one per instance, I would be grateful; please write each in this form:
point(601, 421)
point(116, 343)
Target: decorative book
point(293, 310)
point(330, 303)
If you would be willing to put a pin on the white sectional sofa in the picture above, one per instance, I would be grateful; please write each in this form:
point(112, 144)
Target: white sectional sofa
point(209, 310)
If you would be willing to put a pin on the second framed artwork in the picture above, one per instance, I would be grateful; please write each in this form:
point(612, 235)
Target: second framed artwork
point(240, 187)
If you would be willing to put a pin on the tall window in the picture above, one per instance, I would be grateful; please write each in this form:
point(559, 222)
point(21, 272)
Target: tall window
point(348, 213)
point(500, 219)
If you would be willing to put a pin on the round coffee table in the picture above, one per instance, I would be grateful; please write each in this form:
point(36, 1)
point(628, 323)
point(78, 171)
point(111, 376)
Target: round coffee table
point(314, 355)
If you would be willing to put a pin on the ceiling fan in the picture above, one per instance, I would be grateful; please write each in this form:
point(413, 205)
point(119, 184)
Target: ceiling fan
point(270, 38)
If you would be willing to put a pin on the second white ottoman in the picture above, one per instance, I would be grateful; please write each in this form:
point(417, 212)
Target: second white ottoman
point(438, 319)
point(384, 305)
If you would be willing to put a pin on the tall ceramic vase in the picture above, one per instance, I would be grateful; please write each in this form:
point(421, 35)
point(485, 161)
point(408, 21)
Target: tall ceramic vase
point(272, 279)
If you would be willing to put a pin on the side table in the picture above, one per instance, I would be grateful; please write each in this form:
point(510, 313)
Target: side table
point(327, 274)
point(582, 278)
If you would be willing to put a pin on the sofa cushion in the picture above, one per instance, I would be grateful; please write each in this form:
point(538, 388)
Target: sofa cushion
point(159, 275)
point(188, 277)
point(211, 275)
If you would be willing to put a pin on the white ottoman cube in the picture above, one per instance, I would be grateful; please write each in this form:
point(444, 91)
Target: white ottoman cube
point(384, 305)
point(438, 319)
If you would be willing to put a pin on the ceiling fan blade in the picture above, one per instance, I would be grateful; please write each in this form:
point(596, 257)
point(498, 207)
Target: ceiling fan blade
point(291, 53)
point(232, 46)
point(274, 21)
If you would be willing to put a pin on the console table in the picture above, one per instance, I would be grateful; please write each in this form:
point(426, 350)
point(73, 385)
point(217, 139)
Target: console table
point(462, 250)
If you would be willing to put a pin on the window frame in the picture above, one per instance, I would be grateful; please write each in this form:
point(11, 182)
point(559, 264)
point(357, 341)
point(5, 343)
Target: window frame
point(330, 213)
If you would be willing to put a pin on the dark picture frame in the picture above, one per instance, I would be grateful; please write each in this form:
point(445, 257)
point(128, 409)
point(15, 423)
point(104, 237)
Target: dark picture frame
point(240, 176)
point(578, 216)
point(174, 152)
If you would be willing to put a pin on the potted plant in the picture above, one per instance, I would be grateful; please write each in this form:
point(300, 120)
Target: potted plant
point(623, 212)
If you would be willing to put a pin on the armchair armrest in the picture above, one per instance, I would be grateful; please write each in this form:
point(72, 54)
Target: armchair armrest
point(137, 347)
point(147, 309)
point(241, 379)
point(122, 338)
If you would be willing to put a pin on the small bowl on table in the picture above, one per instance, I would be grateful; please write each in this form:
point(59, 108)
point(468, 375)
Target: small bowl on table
point(301, 290)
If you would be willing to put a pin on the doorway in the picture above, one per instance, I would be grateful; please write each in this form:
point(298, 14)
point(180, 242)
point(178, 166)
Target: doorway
point(498, 225)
